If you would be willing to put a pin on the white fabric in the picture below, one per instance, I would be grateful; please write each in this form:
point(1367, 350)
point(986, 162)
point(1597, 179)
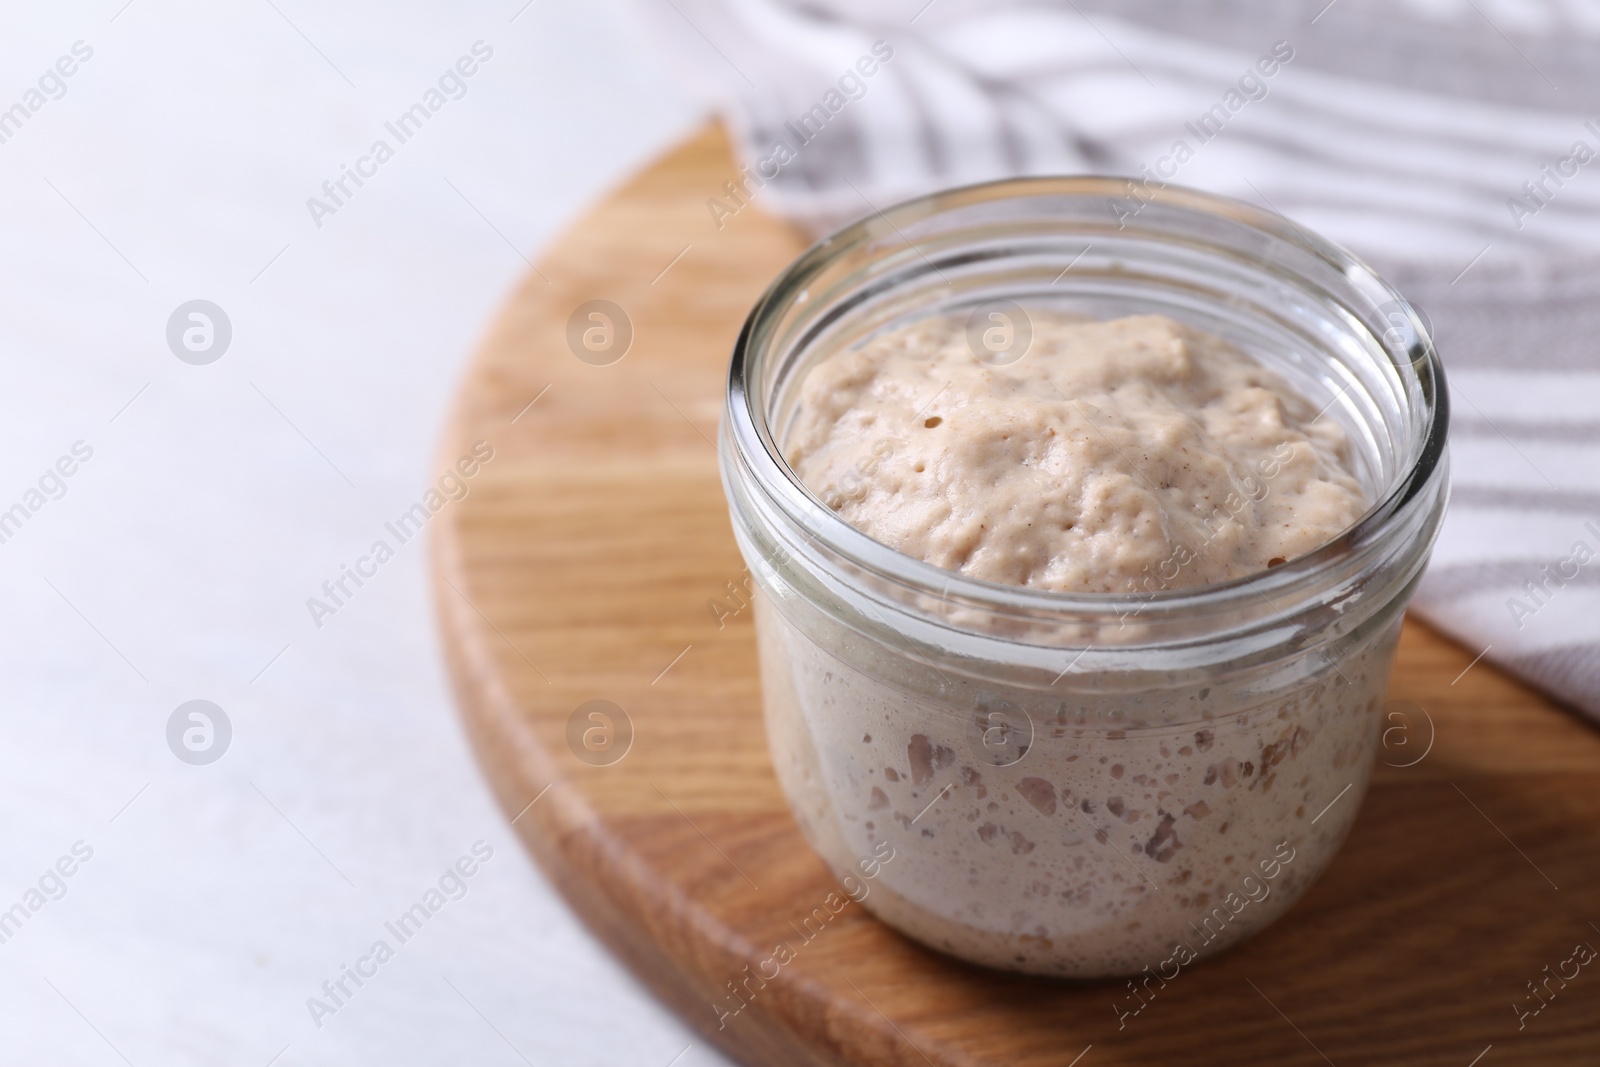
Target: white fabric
point(1453, 143)
point(191, 140)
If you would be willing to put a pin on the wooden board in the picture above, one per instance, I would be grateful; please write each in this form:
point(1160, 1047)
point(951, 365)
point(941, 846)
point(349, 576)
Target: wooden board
point(580, 567)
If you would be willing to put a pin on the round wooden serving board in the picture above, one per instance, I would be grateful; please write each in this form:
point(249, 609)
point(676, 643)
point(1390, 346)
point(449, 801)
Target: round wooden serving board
point(583, 565)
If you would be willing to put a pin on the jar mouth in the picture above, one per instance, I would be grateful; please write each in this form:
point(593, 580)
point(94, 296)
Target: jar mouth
point(909, 242)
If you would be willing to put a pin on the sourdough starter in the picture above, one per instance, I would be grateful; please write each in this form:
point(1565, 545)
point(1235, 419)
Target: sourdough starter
point(1109, 824)
point(1085, 466)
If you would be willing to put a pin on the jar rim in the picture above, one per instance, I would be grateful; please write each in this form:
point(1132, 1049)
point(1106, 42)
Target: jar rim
point(746, 420)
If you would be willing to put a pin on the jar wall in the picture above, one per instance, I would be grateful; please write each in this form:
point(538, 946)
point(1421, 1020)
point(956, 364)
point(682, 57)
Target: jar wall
point(1049, 832)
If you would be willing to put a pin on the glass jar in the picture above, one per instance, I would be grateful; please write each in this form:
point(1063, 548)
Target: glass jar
point(1083, 785)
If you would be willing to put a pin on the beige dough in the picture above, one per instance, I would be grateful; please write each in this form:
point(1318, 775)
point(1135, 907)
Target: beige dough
point(1124, 456)
point(1137, 829)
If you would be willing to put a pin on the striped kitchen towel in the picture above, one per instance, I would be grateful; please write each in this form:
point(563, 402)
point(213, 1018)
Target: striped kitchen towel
point(1454, 144)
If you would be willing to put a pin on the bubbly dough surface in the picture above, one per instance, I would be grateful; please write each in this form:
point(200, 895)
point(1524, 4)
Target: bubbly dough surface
point(1133, 455)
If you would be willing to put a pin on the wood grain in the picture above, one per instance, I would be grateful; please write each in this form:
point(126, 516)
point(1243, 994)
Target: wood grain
point(580, 566)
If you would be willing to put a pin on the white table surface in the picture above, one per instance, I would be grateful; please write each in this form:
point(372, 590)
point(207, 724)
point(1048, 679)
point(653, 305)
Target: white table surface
point(177, 564)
